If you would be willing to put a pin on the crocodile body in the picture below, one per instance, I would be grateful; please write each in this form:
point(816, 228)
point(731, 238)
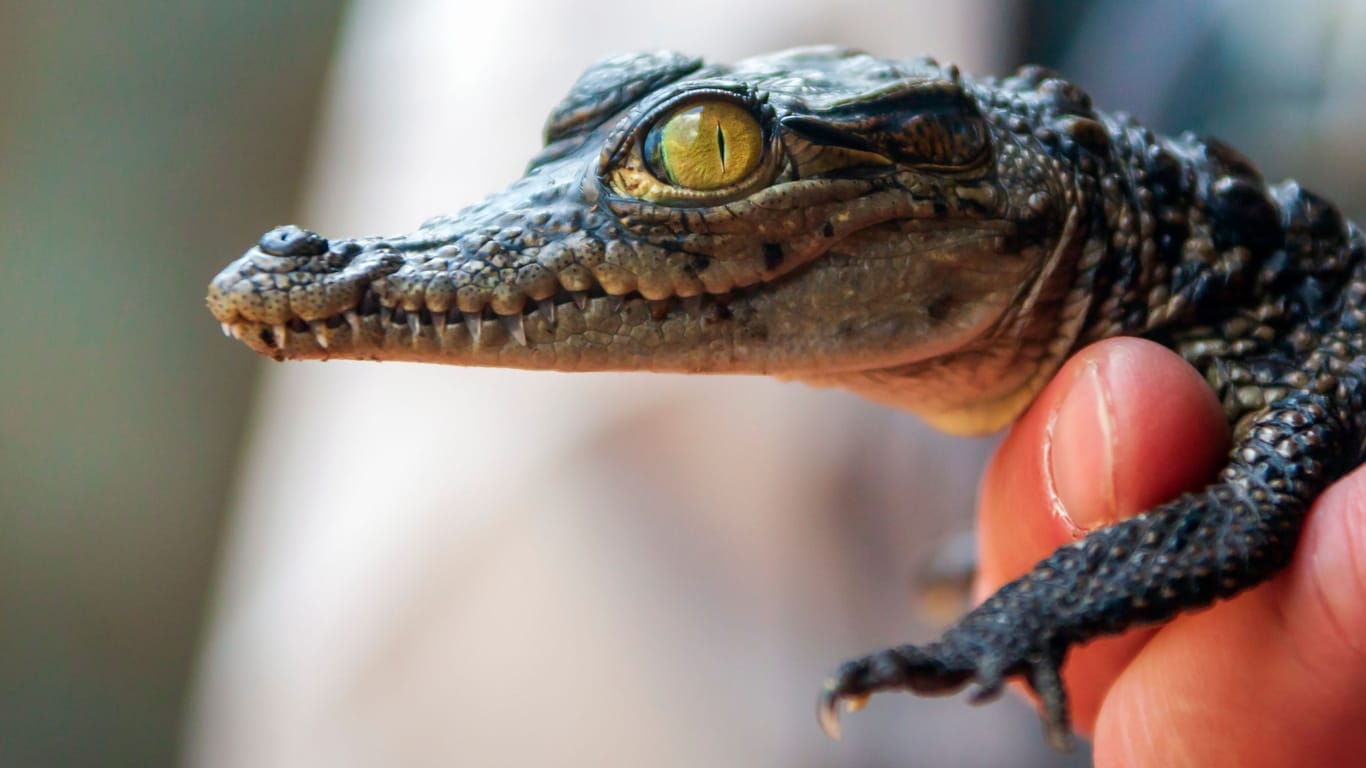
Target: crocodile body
point(925, 239)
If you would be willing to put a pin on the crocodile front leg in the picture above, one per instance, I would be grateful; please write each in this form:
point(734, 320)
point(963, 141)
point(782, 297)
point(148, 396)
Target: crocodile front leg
point(1182, 555)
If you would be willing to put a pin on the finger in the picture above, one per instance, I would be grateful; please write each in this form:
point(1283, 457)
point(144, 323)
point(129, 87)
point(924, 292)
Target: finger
point(1276, 673)
point(1125, 425)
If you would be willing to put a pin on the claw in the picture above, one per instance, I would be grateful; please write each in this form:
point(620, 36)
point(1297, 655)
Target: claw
point(829, 716)
point(828, 709)
point(828, 712)
point(1059, 739)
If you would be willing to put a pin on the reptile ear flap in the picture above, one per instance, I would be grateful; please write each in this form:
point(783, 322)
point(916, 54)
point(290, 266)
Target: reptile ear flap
point(928, 124)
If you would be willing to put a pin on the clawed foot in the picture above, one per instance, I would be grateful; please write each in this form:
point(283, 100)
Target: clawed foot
point(938, 669)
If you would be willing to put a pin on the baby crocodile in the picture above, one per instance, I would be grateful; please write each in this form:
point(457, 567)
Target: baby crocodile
point(928, 240)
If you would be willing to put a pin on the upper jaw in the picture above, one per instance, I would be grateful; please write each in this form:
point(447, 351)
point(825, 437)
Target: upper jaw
point(297, 295)
point(570, 330)
point(451, 292)
point(295, 280)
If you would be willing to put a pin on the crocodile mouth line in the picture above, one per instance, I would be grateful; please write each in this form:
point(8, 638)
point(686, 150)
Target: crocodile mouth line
point(378, 326)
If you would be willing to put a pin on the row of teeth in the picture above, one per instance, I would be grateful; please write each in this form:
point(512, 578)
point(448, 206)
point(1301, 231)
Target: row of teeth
point(515, 325)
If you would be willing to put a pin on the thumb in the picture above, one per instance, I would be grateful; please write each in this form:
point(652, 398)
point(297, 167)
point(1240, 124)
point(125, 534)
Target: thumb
point(1125, 425)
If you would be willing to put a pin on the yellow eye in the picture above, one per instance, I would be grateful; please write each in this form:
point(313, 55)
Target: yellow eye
point(705, 146)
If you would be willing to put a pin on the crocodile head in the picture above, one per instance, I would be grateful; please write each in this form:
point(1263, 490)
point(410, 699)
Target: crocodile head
point(886, 226)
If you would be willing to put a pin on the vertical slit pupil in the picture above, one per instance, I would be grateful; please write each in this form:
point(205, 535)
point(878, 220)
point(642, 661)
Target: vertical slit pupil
point(721, 144)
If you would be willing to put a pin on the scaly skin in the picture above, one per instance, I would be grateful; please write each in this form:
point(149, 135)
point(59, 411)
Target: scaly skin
point(930, 241)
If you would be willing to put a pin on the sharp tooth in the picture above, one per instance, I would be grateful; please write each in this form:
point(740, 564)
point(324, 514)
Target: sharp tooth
point(547, 309)
point(580, 298)
point(320, 333)
point(236, 330)
point(517, 327)
point(474, 324)
point(439, 325)
point(614, 303)
point(693, 304)
point(414, 325)
point(353, 320)
point(281, 336)
point(227, 329)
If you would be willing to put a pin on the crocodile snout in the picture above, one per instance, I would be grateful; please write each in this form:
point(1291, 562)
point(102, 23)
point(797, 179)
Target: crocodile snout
point(294, 275)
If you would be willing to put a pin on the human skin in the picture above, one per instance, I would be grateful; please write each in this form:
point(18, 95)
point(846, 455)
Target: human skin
point(1272, 677)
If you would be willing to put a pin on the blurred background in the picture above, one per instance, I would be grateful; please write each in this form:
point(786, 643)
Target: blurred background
point(210, 560)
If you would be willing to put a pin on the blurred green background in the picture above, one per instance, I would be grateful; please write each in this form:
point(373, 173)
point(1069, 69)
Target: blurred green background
point(142, 146)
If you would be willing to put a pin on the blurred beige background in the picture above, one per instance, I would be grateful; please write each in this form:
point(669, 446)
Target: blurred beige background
point(209, 559)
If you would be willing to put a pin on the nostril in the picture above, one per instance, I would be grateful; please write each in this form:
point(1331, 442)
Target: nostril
point(292, 241)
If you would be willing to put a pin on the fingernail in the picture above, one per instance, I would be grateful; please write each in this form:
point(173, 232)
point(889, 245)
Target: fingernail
point(1080, 454)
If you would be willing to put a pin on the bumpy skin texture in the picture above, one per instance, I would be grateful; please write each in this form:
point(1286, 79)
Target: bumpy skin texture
point(931, 241)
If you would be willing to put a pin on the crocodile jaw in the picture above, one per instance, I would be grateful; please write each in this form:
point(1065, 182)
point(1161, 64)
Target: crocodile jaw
point(853, 307)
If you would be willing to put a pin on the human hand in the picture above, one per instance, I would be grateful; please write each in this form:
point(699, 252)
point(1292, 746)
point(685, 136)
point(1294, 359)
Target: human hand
point(1272, 677)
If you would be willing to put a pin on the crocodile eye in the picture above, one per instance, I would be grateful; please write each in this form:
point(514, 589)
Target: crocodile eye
point(706, 146)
